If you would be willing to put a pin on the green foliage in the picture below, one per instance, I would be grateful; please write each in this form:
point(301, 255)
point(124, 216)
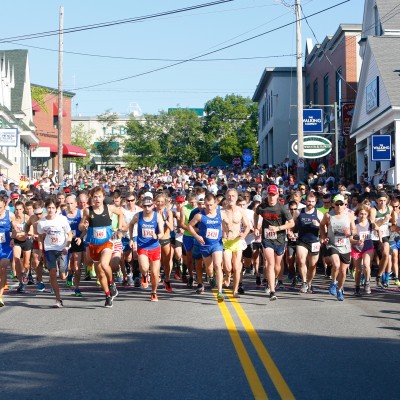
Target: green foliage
point(107, 150)
point(107, 119)
point(82, 138)
point(39, 94)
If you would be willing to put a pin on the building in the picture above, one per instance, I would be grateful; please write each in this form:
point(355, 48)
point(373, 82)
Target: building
point(276, 93)
point(45, 118)
point(332, 69)
point(16, 117)
point(377, 106)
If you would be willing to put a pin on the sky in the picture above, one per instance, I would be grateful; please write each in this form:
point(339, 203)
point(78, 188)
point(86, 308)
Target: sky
point(129, 53)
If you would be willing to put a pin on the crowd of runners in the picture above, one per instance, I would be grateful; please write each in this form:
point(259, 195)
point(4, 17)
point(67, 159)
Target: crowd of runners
point(202, 226)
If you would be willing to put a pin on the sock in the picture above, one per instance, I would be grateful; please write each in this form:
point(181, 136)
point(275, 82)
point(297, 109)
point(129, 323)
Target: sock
point(108, 294)
point(110, 282)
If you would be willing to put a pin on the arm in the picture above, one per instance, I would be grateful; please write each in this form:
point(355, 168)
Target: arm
point(323, 229)
point(182, 221)
point(160, 223)
point(84, 221)
point(246, 225)
point(196, 219)
point(169, 221)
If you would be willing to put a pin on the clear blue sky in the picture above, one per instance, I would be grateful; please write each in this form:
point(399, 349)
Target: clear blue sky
point(178, 36)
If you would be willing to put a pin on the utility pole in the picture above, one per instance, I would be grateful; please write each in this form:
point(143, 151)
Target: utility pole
point(60, 98)
point(300, 135)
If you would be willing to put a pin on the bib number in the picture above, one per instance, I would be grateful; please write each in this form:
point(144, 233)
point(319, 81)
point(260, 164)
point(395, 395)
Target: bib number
point(268, 234)
point(315, 247)
point(100, 233)
point(147, 233)
point(55, 240)
point(212, 233)
point(340, 242)
point(365, 236)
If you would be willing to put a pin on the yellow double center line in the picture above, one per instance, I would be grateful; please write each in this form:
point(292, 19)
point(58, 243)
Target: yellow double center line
point(248, 367)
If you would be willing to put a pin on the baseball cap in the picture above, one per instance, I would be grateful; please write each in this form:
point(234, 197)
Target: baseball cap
point(257, 197)
point(147, 201)
point(338, 197)
point(67, 190)
point(148, 194)
point(272, 189)
point(200, 198)
point(14, 195)
point(180, 199)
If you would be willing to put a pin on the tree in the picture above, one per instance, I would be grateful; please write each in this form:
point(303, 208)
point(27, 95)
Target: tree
point(107, 147)
point(107, 119)
point(233, 122)
point(82, 138)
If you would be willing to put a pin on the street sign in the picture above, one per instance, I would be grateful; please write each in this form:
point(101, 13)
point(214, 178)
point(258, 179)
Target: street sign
point(41, 152)
point(381, 148)
point(347, 118)
point(300, 162)
point(9, 137)
point(313, 121)
point(314, 146)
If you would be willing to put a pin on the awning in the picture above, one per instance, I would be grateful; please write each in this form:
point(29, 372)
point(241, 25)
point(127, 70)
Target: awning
point(69, 150)
point(55, 110)
point(53, 147)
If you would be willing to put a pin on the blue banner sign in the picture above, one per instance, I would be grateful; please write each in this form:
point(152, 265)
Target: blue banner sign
point(381, 148)
point(313, 121)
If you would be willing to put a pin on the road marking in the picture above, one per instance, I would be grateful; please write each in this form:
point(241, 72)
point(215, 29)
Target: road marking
point(248, 367)
point(273, 371)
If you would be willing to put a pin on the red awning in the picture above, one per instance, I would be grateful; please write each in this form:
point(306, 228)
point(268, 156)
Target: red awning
point(35, 106)
point(69, 150)
point(53, 147)
point(55, 110)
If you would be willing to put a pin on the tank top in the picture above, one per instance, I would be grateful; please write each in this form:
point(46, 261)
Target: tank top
point(337, 230)
point(385, 227)
point(5, 229)
point(308, 232)
point(100, 230)
point(187, 210)
point(20, 228)
point(364, 232)
point(210, 228)
point(74, 222)
point(146, 230)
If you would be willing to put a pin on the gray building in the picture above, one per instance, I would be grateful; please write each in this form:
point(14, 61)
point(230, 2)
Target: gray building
point(276, 95)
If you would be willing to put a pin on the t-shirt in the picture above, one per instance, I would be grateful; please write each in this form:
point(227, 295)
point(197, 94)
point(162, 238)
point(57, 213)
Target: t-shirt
point(56, 231)
point(276, 215)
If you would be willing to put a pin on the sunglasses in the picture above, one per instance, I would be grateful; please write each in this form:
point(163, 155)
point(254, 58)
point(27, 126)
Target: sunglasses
point(147, 206)
point(339, 204)
point(292, 209)
point(130, 201)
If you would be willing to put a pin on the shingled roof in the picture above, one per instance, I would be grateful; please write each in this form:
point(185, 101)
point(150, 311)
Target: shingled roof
point(389, 13)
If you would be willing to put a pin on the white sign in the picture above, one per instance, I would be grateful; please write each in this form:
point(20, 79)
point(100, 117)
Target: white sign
point(42, 152)
point(314, 146)
point(9, 137)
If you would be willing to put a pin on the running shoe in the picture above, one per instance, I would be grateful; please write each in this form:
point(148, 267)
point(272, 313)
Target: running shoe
point(168, 287)
point(304, 288)
point(379, 283)
point(272, 296)
point(333, 289)
point(357, 291)
point(279, 286)
point(78, 293)
point(130, 280)
point(40, 287)
point(267, 289)
point(145, 284)
point(264, 282)
point(69, 280)
point(153, 297)
point(137, 282)
point(200, 288)
point(21, 288)
point(59, 304)
point(1, 302)
point(190, 282)
point(258, 280)
point(113, 290)
point(212, 282)
point(367, 288)
point(88, 277)
point(11, 275)
point(385, 283)
point(241, 289)
point(310, 289)
point(339, 295)
point(397, 282)
point(92, 273)
point(30, 280)
point(109, 302)
point(220, 296)
point(98, 283)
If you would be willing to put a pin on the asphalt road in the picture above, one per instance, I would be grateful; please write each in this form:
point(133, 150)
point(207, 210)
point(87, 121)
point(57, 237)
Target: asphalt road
point(187, 346)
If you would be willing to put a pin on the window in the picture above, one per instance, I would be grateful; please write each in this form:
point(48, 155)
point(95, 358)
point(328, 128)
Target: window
point(315, 88)
point(326, 94)
point(339, 91)
point(272, 102)
point(308, 90)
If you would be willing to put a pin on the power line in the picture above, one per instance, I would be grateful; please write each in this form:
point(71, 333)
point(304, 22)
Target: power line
point(112, 23)
point(208, 53)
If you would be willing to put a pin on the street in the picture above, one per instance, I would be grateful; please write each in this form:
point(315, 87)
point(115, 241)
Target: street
point(188, 346)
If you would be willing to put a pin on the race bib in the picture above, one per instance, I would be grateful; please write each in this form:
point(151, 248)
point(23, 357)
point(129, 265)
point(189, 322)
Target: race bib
point(148, 233)
point(374, 235)
point(2, 237)
point(294, 237)
point(100, 233)
point(55, 240)
point(365, 236)
point(268, 234)
point(340, 242)
point(19, 228)
point(212, 233)
point(315, 247)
